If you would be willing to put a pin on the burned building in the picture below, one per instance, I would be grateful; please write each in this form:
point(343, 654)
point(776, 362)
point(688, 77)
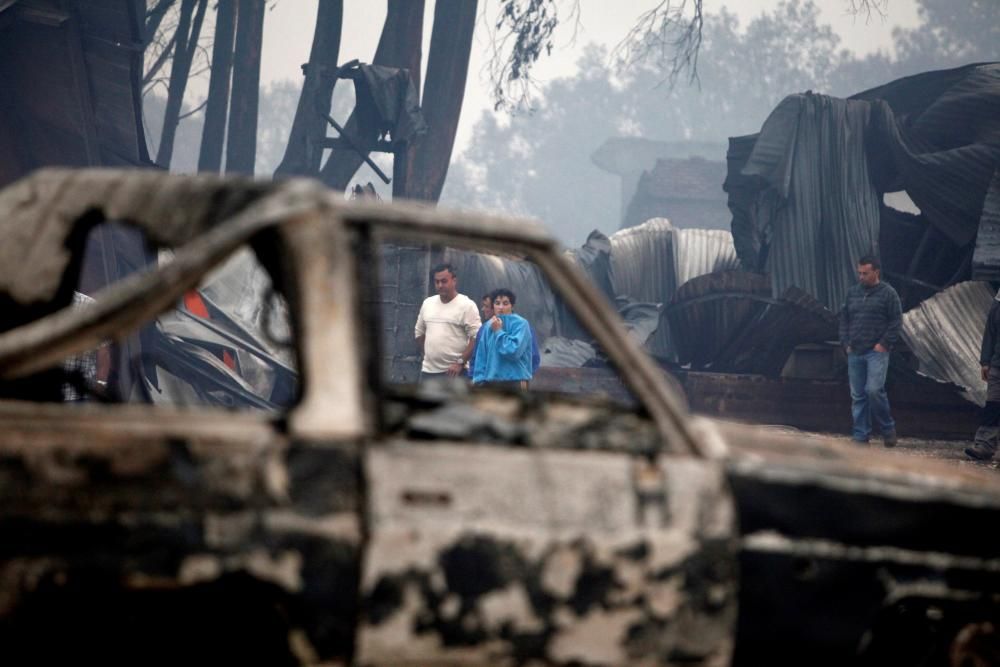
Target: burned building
point(695, 163)
point(687, 192)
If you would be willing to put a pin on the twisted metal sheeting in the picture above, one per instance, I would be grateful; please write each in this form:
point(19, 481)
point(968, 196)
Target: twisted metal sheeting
point(945, 333)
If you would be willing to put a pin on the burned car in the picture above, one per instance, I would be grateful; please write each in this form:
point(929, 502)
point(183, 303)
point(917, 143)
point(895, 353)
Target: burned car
point(375, 523)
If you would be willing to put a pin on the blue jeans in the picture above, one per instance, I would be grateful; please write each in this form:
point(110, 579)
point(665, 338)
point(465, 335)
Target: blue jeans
point(866, 373)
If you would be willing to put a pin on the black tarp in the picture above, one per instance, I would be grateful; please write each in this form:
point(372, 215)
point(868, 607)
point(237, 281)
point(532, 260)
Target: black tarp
point(389, 103)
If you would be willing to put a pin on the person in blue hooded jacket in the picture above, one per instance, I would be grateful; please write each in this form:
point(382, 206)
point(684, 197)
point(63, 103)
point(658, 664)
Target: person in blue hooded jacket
point(486, 306)
point(503, 356)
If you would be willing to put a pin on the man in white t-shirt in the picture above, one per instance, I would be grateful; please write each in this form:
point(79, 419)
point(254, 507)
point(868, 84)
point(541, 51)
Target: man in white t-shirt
point(446, 327)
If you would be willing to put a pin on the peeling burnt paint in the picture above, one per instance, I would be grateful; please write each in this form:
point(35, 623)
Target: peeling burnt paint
point(495, 597)
point(577, 579)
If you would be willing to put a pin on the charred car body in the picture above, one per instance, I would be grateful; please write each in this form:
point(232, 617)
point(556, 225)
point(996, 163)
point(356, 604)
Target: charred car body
point(374, 524)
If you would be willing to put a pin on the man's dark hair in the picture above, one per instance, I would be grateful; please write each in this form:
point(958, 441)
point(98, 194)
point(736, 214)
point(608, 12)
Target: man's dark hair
point(490, 296)
point(503, 291)
point(872, 261)
point(443, 267)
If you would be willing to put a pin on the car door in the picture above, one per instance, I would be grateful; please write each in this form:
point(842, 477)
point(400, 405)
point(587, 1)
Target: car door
point(505, 529)
point(165, 534)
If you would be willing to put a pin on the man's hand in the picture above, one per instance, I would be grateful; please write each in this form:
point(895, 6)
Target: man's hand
point(496, 323)
point(880, 348)
point(984, 371)
point(455, 369)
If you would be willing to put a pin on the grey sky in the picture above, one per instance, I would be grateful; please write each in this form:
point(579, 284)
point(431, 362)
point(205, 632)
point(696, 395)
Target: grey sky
point(288, 30)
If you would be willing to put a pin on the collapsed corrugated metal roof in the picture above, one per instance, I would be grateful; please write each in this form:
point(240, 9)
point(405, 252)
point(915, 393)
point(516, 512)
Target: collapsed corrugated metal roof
point(638, 269)
point(945, 333)
point(821, 211)
point(709, 311)
point(805, 192)
point(650, 261)
point(701, 251)
point(764, 344)
point(727, 322)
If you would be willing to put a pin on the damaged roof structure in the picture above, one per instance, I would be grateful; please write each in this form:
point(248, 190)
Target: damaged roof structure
point(808, 199)
point(687, 191)
point(816, 189)
point(819, 186)
point(806, 193)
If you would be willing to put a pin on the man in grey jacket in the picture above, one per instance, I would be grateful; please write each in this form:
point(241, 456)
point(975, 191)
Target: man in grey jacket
point(985, 445)
point(869, 327)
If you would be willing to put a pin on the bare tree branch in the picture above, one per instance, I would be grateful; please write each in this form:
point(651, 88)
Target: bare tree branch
point(868, 7)
point(161, 59)
point(193, 111)
point(154, 16)
point(668, 34)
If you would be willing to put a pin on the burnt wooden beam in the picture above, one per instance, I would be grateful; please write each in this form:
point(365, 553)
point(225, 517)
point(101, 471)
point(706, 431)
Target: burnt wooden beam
point(81, 85)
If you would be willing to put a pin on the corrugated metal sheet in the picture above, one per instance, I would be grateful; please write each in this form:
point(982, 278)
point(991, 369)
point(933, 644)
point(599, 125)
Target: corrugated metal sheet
point(642, 269)
point(650, 261)
point(764, 344)
point(824, 210)
point(701, 251)
point(935, 133)
point(802, 197)
point(986, 259)
point(945, 333)
point(480, 273)
point(707, 312)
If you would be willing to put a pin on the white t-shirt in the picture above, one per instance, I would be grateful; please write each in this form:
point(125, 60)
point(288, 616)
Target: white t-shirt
point(447, 328)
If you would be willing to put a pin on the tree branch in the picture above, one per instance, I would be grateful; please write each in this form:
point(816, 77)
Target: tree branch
point(521, 33)
point(668, 36)
point(193, 111)
point(154, 16)
point(161, 59)
point(868, 7)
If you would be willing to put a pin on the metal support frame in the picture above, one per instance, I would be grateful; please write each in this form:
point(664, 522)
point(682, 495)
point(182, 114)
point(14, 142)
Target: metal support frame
point(345, 141)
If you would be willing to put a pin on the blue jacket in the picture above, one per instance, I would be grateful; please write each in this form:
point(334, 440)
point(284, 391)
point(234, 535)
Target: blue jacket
point(536, 356)
point(504, 355)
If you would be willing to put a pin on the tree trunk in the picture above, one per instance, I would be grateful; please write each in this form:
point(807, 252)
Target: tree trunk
point(447, 68)
point(213, 134)
point(184, 49)
point(241, 146)
point(399, 46)
point(300, 156)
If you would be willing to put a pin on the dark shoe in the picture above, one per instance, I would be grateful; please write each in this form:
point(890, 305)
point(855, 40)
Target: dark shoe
point(860, 443)
point(889, 439)
point(978, 452)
